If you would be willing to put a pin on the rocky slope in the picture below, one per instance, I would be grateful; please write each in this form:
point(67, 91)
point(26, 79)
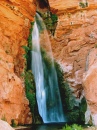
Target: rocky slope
point(74, 47)
point(15, 18)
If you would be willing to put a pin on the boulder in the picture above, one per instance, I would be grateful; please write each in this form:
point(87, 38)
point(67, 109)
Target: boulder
point(5, 126)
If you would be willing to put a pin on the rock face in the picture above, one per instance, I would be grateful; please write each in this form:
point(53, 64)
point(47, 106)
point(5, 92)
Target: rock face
point(5, 126)
point(90, 84)
point(74, 46)
point(15, 16)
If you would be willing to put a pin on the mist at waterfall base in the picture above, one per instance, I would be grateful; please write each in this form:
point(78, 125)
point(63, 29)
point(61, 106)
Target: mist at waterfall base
point(47, 91)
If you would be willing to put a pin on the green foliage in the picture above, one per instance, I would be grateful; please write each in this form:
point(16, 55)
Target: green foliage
point(77, 114)
point(13, 123)
point(30, 90)
point(72, 127)
point(67, 127)
point(76, 127)
point(50, 21)
point(30, 36)
point(74, 110)
point(26, 48)
point(83, 5)
point(82, 109)
point(31, 95)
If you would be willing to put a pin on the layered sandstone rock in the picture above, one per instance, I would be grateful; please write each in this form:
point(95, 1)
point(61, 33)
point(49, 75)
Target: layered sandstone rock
point(90, 83)
point(5, 126)
point(15, 18)
point(74, 39)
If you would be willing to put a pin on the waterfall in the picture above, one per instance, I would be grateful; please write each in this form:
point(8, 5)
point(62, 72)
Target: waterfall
point(47, 91)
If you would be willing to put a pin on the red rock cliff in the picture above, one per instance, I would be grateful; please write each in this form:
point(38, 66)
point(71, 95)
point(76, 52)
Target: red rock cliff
point(74, 45)
point(15, 18)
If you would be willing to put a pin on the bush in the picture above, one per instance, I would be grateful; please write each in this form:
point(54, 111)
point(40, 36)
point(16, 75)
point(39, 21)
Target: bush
point(30, 90)
point(50, 21)
point(30, 36)
point(13, 123)
point(72, 127)
point(83, 4)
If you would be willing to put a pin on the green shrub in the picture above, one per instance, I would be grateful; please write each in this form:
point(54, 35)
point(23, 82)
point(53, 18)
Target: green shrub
point(83, 4)
point(67, 127)
point(76, 127)
point(50, 21)
point(30, 36)
point(30, 89)
point(13, 123)
point(31, 95)
point(26, 48)
point(72, 127)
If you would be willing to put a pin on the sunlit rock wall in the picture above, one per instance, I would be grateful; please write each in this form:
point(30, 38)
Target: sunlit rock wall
point(15, 18)
point(73, 44)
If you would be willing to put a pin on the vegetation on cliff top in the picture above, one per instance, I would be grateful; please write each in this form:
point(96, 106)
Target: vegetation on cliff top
point(50, 21)
point(83, 4)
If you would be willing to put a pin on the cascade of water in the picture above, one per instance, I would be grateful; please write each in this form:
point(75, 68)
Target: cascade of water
point(47, 91)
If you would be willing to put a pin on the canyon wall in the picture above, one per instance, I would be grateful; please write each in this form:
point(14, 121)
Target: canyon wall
point(75, 47)
point(15, 18)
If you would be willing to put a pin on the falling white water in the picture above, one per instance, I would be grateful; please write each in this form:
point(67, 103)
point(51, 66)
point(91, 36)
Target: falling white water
point(47, 91)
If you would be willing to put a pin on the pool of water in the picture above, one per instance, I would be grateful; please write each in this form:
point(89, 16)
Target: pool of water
point(45, 127)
